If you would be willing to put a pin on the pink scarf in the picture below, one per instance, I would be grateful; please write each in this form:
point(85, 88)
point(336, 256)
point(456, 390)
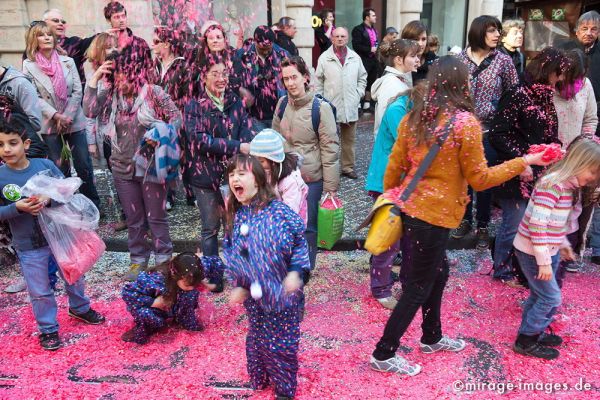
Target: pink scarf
point(53, 69)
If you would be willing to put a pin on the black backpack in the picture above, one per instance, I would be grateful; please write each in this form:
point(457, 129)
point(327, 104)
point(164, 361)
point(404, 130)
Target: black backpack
point(315, 113)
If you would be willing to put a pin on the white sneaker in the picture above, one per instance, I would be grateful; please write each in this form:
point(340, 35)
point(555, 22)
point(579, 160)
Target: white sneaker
point(396, 364)
point(169, 206)
point(16, 287)
point(388, 302)
point(445, 344)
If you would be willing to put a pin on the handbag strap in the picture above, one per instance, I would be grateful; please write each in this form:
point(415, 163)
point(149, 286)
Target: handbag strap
point(431, 154)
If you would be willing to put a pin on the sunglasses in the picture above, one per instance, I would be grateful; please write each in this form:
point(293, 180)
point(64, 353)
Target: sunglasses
point(56, 21)
point(156, 41)
point(34, 23)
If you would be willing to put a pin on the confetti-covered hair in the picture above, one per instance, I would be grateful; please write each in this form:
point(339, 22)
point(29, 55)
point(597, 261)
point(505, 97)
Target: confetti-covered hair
point(265, 191)
point(171, 37)
point(398, 48)
point(186, 266)
point(549, 60)
point(582, 154)
point(446, 91)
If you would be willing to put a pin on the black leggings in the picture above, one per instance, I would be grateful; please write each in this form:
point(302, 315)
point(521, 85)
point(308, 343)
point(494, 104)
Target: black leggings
point(427, 276)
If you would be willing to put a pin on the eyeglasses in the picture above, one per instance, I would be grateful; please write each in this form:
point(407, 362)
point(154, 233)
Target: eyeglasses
point(57, 21)
point(217, 74)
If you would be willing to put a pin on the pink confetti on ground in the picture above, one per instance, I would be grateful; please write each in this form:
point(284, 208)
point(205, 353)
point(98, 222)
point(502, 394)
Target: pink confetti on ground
point(341, 327)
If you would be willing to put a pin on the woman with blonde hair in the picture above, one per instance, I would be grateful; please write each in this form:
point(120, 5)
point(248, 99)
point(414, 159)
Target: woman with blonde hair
point(57, 81)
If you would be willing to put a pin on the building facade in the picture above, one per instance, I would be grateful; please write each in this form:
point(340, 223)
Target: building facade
point(448, 18)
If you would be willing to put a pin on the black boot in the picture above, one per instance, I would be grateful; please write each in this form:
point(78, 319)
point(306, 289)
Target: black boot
point(529, 346)
point(138, 334)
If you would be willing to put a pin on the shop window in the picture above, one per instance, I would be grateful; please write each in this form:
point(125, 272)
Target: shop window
point(447, 19)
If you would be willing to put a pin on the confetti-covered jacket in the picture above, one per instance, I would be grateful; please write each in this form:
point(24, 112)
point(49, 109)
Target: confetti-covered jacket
point(274, 245)
point(212, 136)
point(148, 286)
point(488, 86)
point(526, 116)
point(440, 197)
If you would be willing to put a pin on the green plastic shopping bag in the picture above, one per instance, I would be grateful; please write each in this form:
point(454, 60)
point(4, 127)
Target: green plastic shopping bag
point(330, 222)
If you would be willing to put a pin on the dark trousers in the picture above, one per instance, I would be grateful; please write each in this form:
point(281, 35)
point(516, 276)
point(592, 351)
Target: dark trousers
point(315, 191)
point(426, 280)
point(563, 264)
point(82, 161)
point(484, 198)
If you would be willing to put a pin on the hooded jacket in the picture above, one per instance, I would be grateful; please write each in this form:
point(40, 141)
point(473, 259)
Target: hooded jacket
point(390, 85)
point(21, 101)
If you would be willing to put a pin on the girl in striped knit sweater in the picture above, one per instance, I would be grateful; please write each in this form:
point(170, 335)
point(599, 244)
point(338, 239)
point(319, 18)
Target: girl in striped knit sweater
point(541, 241)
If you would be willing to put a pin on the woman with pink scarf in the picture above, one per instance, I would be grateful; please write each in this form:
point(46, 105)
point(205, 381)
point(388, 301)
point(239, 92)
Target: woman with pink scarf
point(63, 129)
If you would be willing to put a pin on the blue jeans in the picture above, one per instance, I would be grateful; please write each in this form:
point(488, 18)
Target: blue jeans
point(544, 296)
point(595, 232)
point(34, 265)
point(77, 141)
point(513, 211)
point(210, 205)
point(315, 191)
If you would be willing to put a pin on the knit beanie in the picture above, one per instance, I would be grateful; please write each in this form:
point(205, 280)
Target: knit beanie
point(268, 143)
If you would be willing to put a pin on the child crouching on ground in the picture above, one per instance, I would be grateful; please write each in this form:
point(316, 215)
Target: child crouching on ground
point(541, 235)
point(167, 290)
point(266, 254)
point(31, 246)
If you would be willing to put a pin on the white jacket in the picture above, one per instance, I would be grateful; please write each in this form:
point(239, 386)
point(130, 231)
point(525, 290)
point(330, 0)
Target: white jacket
point(578, 116)
point(342, 85)
point(390, 85)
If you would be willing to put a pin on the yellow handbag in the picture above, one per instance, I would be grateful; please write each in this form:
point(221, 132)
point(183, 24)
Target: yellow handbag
point(385, 216)
point(386, 226)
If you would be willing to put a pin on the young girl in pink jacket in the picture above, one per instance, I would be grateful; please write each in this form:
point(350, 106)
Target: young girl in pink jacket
point(283, 170)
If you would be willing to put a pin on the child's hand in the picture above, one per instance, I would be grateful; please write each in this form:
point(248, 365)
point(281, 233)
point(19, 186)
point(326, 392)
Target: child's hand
point(45, 200)
point(160, 303)
point(238, 295)
point(292, 282)
point(567, 254)
point(545, 272)
point(29, 205)
point(209, 286)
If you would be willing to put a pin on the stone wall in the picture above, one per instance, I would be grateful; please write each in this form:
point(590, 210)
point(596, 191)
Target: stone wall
point(84, 17)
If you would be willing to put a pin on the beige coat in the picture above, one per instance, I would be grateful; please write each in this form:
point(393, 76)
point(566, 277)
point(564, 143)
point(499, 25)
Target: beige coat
point(321, 154)
point(342, 85)
point(47, 97)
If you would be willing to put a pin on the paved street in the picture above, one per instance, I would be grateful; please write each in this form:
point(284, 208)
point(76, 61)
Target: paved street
point(341, 327)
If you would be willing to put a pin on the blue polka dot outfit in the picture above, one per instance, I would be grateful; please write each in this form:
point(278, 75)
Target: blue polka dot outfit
point(264, 245)
point(140, 295)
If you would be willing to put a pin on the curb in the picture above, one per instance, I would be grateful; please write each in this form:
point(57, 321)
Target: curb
point(344, 244)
